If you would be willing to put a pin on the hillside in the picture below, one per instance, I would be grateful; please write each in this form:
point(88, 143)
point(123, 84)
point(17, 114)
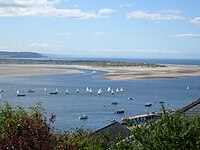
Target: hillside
point(7, 55)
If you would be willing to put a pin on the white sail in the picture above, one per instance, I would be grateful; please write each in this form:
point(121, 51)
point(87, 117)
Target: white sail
point(77, 90)
point(45, 89)
point(56, 90)
point(117, 90)
point(99, 91)
point(90, 91)
point(109, 89)
point(121, 89)
point(112, 91)
point(188, 87)
point(87, 90)
point(17, 92)
point(66, 91)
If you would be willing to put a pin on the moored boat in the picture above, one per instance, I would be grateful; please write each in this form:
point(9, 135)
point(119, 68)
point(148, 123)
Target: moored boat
point(114, 103)
point(55, 92)
point(19, 94)
point(121, 111)
point(83, 117)
point(148, 104)
point(77, 90)
point(66, 91)
point(31, 91)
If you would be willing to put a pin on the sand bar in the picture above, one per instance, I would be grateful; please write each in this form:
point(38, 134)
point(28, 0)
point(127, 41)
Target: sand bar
point(11, 69)
point(137, 73)
point(114, 73)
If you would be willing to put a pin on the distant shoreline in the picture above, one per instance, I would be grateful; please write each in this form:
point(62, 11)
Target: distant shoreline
point(113, 72)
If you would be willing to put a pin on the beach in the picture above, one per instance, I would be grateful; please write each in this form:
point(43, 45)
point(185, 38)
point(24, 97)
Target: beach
point(33, 69)
point(113, 73)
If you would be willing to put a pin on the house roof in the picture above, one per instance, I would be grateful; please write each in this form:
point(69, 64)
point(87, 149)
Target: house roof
point(187, 107)
point(114, 129)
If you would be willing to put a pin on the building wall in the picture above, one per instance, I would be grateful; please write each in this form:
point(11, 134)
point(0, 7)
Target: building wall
point(194, 111)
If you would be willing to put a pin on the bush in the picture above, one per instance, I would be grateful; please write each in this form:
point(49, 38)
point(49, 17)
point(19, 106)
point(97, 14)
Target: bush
point(172, 131)
point(20, 129)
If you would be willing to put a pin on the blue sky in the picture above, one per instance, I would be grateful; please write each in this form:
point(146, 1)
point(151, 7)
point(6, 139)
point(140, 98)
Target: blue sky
point(102, 28)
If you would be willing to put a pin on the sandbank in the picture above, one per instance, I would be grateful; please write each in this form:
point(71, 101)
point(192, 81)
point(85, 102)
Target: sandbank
point(138, 73)
point(113, 73)
point(35, 69)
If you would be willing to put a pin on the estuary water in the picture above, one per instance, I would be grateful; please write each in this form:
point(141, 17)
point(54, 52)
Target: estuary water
point(98, 108)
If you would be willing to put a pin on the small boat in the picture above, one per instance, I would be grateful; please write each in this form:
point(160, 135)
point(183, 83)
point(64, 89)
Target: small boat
point(55, 92)
point(45, 89)
point(117, 90)
point(77, 90)
point(87, 90)
point(109, 90)
point(19, 94)
point(1, 90)
point(121, 111)
point(161, 102)
point(187, 88)
point(83, 117)
point(112, 91)
point(148, 104)
point(130, 98)
point(114, 103)
point(66, 91)
point(31, 91)
point(113, 120)
point(121, 89)
point(99, 92)
point(90, 91)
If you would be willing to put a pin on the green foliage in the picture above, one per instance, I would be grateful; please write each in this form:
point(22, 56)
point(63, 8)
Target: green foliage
point(172, 131)
point(21, 129)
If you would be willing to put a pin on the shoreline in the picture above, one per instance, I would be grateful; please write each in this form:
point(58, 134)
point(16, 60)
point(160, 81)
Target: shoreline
point(113, 73)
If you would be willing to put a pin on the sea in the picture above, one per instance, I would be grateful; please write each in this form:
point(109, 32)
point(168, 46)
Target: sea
point(69, 107)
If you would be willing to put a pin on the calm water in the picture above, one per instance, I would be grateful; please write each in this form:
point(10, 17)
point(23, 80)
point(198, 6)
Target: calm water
point(69, 107)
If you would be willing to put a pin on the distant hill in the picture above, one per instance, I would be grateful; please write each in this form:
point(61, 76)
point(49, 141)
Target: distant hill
point(6, 55)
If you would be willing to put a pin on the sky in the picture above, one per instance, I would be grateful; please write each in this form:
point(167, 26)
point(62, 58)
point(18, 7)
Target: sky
point(102, 28)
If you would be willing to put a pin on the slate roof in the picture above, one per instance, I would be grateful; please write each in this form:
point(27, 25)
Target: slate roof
point(114, 129)
point(191, 105)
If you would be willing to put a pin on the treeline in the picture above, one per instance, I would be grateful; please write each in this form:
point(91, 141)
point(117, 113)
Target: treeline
point(95, 63)
point(21, 129)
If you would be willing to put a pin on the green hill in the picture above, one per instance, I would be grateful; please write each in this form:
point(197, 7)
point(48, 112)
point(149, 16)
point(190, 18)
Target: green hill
point(6, 55)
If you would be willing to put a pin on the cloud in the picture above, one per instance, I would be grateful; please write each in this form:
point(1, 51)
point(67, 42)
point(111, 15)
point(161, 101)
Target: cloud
point(187, 35)
point(100, 33)
point(104, 11)
point(195, 21)
point(158, 16)
point(46, 8)
point(39, 45)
